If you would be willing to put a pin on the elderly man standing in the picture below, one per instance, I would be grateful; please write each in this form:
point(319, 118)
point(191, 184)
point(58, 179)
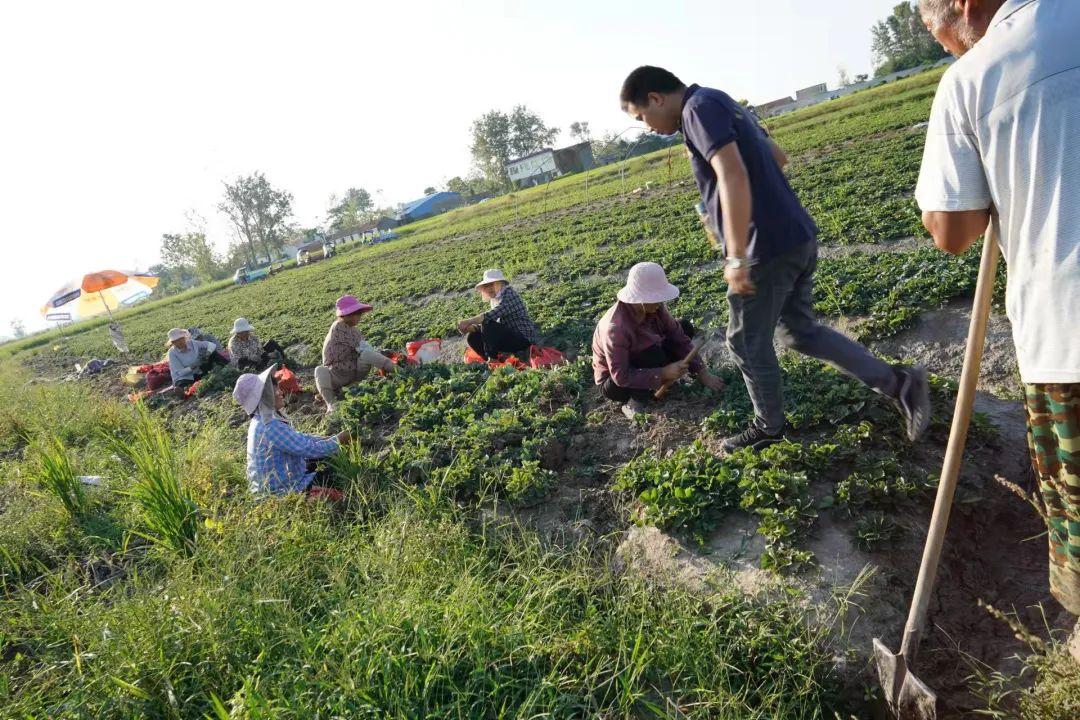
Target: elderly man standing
point(1004, 134)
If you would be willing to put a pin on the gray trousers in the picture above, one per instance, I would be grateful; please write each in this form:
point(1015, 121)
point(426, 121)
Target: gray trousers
point(784, 300)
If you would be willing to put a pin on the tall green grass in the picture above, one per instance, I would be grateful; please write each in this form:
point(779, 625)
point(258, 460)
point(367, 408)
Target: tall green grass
point(56, 476)
point(417, 612)
point(170, 514)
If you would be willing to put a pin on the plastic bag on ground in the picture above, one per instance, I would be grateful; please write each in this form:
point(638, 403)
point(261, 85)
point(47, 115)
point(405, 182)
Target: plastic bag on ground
point(158, 378)
point(545, 357)
point(472, 357)
point(287, 381)
point(321, 492)
point(507, 360)
point(424, 351)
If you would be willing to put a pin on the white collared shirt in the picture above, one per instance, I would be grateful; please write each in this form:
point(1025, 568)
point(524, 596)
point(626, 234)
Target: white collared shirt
point(1005, 131)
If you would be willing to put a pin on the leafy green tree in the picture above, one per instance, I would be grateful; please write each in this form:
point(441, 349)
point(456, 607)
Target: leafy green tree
point(528, 133)
point(491, 145)
point(259, 212)
point(349, 210)
point(430, 190)
point(901, 41)
point(498, 137)
point(580, 131)
point(191, 253)
point(474, 184)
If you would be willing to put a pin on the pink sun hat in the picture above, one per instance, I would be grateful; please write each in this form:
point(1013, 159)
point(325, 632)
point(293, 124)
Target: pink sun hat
point(347, 305)
point(647, 283)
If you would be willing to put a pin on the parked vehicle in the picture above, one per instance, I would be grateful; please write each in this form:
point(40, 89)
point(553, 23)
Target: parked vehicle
point(243, 275)
point(313, 251)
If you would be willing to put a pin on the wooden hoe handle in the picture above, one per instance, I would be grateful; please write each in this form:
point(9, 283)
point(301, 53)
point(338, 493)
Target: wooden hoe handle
point(954, 452)
point(662, 391)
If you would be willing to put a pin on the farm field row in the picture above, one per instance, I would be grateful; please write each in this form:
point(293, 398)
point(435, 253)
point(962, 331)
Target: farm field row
point(857, 189)
point(482, 564)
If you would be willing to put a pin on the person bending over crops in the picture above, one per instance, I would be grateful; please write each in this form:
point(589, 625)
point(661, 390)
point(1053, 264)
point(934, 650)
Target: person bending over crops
point(769, 244)
point(280, 459)
point(638, 346)
point(246, 352)
point(504, 329)
point(190, 359)
point(347, 357)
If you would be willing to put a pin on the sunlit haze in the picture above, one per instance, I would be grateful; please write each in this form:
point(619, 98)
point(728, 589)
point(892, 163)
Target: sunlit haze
point(120, 118)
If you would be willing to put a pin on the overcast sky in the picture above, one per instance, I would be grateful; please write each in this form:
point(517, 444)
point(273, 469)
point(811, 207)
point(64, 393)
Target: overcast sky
point(118, 118)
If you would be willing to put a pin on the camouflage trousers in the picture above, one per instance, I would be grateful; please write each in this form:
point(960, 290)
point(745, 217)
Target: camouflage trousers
point(1054, 439)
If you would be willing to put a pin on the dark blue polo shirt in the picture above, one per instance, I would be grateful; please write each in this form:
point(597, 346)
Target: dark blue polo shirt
point(779, 222)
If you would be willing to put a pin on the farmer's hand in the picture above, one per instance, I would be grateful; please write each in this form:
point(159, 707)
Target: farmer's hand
point(710, 381)
point(738, 280)
point(465, 326)
point(344, 437)
point(674, 371)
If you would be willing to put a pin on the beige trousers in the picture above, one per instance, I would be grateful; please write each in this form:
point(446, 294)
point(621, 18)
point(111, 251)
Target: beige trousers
point(328, 381)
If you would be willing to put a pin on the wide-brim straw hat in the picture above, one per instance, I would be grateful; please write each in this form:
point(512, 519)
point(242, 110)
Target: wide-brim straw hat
point(647, 283)
point(250, 387)
point(241, 325)
point(491, 276)
point(177, 333)
point(348, 304)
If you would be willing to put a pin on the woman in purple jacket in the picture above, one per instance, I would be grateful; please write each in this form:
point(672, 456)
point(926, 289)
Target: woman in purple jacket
point(638, 345)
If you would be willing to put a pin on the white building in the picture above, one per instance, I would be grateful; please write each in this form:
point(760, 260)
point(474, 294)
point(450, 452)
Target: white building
point(533, 169)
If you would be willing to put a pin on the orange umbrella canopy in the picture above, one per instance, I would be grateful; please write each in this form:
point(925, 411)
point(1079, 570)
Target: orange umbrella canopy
point(98, 292)
point(103, 280)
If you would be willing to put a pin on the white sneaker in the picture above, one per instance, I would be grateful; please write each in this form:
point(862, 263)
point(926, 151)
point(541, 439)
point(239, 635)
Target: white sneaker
point(633, 408)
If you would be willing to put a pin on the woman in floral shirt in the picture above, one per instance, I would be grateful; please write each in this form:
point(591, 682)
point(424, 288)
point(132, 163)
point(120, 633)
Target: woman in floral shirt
point(347, 357)
point(246, 352)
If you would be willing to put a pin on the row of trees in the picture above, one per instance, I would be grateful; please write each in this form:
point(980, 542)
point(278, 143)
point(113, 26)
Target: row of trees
point(901, 41)
point(260, 215)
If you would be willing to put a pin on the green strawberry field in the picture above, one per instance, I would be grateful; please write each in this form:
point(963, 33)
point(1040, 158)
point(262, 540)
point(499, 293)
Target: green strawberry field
point(481, 565)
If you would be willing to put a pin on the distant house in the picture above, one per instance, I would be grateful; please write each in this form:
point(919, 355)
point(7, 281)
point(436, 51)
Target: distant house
point(533, 169)
point(428, 206)
point(547, 164)
point(770, 107)
point(820, 93)
point(365, 232)
point(808, 92)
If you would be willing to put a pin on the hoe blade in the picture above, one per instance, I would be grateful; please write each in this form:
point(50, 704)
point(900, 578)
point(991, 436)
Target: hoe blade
point(907, 696)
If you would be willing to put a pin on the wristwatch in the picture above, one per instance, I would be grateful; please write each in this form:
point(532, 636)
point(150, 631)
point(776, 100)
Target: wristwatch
point(736, 263)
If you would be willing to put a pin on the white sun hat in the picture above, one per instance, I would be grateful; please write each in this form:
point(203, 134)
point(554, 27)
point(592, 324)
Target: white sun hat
point(491, 276)
point(647, 283)
point(241, 325)
point(250, 387)
point(177, 333)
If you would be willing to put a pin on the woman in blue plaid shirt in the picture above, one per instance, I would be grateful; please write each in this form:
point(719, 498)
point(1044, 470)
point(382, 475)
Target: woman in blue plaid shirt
point(504, 329)
point(279, 457)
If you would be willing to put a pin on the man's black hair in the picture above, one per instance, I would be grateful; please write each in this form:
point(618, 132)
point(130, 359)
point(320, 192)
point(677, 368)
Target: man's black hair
point(647, 79)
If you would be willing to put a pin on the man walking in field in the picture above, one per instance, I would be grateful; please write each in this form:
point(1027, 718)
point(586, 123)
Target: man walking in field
point(770, 246)
point(1004, 133)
